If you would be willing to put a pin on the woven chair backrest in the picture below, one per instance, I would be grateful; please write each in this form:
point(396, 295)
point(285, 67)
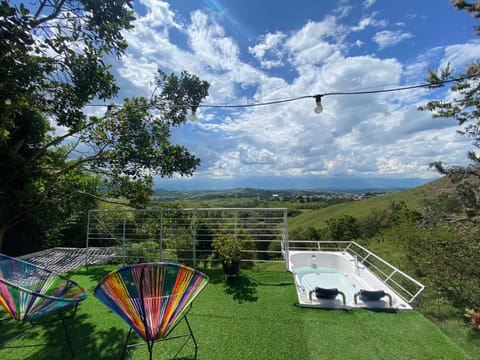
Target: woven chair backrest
point(28, 291)
point(151, 298)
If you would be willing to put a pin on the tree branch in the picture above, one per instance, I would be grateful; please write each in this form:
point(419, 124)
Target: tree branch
point(57, 8)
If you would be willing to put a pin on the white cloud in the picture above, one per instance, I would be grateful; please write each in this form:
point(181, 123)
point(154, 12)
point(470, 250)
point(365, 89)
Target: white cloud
point(209, 43)
point(250, 155)
point(389, 38)
point(367, 3)
point(270, 42)
point(369, 21)
point(315, 32)
point(158, 14)
point(358, 134)
point(459, 55)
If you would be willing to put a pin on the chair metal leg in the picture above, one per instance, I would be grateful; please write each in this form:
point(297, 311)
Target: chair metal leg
point(150, 348)
point(191, 334)
point(68, 339)
point(187, 338)
point(126, 343)
point(61, 317)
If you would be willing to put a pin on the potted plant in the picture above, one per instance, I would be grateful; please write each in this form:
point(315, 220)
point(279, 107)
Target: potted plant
point(228, 249)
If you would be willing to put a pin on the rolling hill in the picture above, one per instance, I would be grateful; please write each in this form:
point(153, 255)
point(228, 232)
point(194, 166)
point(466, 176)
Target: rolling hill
point(412, 197)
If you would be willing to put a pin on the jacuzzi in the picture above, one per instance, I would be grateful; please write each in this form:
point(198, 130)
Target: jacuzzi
point(330, 279)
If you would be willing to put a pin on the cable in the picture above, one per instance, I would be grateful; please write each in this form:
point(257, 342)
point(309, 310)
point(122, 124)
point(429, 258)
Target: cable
point(319, 96)
point(443, 82)
point(257, 104)
point(316, 96)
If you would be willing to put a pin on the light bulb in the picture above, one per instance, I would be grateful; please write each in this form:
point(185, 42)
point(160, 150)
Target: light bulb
point(109, 111)
point(193, 116)
point(8, 101)
point(318, 102)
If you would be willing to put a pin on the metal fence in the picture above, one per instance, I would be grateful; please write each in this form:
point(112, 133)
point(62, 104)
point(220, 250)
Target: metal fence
point(186, 235)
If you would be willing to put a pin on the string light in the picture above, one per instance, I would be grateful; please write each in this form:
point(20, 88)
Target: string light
point(318, 104)
point(318, 97)
point(193, 116)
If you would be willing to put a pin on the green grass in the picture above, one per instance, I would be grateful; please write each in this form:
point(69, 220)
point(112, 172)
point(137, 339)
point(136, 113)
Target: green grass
point(255, 318)
point(359, 209)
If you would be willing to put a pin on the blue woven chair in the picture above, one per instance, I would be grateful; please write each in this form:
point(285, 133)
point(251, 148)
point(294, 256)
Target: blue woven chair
point(30, 293)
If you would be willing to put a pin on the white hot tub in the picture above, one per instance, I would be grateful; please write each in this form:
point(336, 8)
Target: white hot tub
point(337, 280)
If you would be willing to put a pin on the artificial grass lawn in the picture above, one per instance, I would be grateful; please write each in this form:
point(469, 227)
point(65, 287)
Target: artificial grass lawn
point(254, 318)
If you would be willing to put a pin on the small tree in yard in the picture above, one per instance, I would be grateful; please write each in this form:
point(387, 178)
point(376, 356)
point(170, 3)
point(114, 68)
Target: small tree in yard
point(231, 249)
point(52, 64)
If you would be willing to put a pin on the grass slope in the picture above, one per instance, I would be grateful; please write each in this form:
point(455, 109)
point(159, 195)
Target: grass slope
point(358, 209)
point(254, 319)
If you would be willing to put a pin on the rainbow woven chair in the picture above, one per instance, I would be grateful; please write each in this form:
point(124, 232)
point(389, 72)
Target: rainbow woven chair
point(152, 299)
point(29, 293)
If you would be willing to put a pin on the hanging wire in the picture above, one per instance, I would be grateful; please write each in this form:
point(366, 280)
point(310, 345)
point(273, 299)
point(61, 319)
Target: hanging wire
point(317, 96)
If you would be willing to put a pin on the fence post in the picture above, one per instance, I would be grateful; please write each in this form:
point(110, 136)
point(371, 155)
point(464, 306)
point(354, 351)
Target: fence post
point(87, 240)
point(161, 235)
point(194, 237)
point(123, 240)
point(285, 244)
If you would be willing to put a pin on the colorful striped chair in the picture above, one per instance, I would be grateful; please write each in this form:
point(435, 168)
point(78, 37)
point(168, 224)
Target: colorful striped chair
point(152, 298)
point(29, 293)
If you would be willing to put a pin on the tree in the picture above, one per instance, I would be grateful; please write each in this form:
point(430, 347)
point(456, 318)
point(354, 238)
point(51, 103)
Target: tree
point(52, 62)
point(343, 228)
point(452, 259)
point(465, 108)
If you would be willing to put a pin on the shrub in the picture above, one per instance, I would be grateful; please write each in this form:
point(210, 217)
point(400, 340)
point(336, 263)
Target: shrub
point(474, 317)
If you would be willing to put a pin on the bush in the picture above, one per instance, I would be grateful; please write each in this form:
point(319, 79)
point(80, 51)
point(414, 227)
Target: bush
point(474, 318)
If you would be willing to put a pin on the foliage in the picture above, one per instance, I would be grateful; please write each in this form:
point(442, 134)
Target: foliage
point(52, 57)
point(396, 213)
point(228, 248)
point(231, 249)
point(471, 7)
point(474, 318)
point(464, 107)
point(450, 258)
point(344, 228)
point(62, 220)
point(143, 251)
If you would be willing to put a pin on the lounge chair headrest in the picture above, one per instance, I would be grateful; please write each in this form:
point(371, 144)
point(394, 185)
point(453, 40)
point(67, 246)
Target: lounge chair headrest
point(322, 293)
point(370, 295)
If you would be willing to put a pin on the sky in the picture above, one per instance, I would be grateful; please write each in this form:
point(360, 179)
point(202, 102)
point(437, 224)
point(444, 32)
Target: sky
point(258, 51)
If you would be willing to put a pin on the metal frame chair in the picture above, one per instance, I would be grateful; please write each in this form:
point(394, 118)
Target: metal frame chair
point(152, 298)
point(29, 293)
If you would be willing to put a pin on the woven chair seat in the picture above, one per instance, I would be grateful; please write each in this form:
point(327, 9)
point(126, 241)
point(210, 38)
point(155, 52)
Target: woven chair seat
point(151, 298)
point(29, 292)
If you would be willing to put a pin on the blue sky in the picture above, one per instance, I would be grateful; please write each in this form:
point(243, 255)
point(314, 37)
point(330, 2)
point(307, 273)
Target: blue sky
point(261, 51)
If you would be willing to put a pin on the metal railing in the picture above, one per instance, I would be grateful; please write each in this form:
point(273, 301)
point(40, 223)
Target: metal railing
point(404, 285)
point(185, 234)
